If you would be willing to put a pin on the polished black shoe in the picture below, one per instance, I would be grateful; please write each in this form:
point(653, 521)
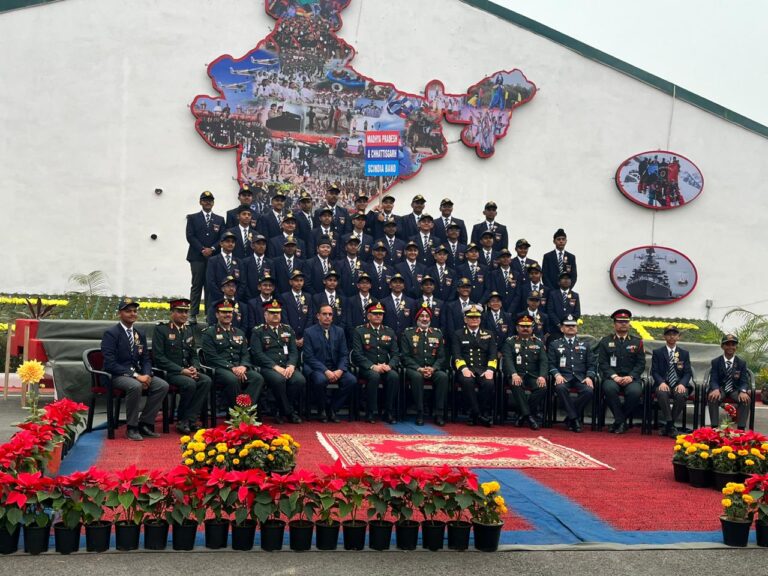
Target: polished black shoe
point(133, 434)
point(620, 429)
point(419, 420)
point(485, 420)
point(532, 424)
point(182, 427)
point(332, 417)
point(370, 418)
point(389, 419)
point(147, 432)
point(323, 419)
point(279, 419)
point(294, 419)
point(671, 431)
point(439, 421)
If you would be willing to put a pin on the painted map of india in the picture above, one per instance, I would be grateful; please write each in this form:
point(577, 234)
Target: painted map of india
point(297, 112)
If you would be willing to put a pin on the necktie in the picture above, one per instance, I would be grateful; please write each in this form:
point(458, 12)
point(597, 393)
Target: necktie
point(207, 220)
point(565, 298)
point(352, 265)
point(441, 273)
point(412, 266)
point(131, 341)
point(570, 342)
point(488, 258)
point(309, 220)
point(728, 385)
point(279, 219)
point(473, 271)
point(365, 302)
point(298, 300)
point(229, 263)
point(391, 246)
point(425, 241)
point(290, 265)
point(671, 371)
point(325, 266)
point(496, 317)
point(506, 276)
point(490, 226)
point(560, 261)
point(397, 304)
point(447, 222)
point(379, 271)
point(327, 335)
point(453, 250)
point(245, 236)
point(332, 300)
point(259, 264)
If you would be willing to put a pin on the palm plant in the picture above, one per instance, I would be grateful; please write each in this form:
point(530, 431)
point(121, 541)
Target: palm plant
point(753, 337)
point(89, 287)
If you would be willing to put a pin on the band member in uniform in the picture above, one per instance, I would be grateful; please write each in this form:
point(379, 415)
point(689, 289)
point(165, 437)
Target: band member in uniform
point(558, 261)
point(203, 231)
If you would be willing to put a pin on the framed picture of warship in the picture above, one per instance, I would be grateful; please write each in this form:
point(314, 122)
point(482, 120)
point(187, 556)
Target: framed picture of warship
point(659, 180)
point(654, 275)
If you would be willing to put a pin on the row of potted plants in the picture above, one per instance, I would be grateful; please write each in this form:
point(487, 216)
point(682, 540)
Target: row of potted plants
point(353, 499)
point(742, 503)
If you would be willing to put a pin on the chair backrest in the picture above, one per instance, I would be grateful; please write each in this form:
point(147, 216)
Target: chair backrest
point(93, 359)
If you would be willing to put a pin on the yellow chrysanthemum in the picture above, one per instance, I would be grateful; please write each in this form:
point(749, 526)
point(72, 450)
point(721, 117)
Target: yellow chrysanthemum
point(297, 445)
point(189, 461)
point(220, 458)
point(726, 502)
point(739, 488)
point(749, 462)
point(243, 453)
point(764, 447)
point(727, 448)
point(690, 450)
point(288, 449)
point(728, 490)
point(704, 455)
point(747, 498)
point(232, 450)
point(186, 453)
point(731, 456)
point(212, 452)
point(235, 461)
point(754, 452)
point(716, 451)
point(184, 439)
point(490, 487)
point(270, 457)
point(678, 447)
point(31, 372)
point(221, 448)
point(498, 500)
point(743, 452)
point(199, 456)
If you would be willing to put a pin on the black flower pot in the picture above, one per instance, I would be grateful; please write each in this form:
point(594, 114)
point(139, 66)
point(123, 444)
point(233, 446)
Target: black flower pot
point(700, 478)
point(127, 535)
point(155, 534)
point(216, 533)
point(97, 535)
point(243, 534)
point(183, 535)
point(327, 535)
point(379, 534)
point(681, 472)
point(36, 539)
point(458, 534)
point(720, 479)
point(272, 535)
point(761, 533)
point(487, 536)
point(354, 534)
point(432, 534)
point(300, 534)
point(735, 533)
point(67, 540)
point(9, 541)
point(407, 534)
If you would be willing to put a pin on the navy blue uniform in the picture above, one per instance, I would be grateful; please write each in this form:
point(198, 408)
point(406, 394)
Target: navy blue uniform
point(559, 306)
point(412, 279)
point(215, 274)
point(439, 229)
point(445, 289)
point(550, 268)
point(298, 315)
point(500, 235)
point(395, 249)
point(398, 319)
point(253, 270)
point(480, 281)
point(282, 273)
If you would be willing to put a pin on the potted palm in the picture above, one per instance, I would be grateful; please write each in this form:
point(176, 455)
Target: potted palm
point(487, 510)
point(736, 519)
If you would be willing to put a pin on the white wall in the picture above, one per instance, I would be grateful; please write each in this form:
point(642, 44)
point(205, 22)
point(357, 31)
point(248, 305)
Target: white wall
point(95, 117)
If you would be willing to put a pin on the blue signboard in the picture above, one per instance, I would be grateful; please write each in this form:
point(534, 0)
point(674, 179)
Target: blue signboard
point(382, 168)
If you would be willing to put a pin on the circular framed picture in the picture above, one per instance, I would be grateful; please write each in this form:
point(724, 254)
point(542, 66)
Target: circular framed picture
point(659, 180)
point(654, 275)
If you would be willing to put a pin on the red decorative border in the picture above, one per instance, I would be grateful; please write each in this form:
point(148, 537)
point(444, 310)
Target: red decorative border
point(653, 302)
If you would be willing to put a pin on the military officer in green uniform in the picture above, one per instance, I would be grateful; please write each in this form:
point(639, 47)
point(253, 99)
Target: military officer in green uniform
point(375, 353)
point(422, 352)
point(173, 349)
point(475, 359)
point(526, 365)
point(226, 350)
point(621, 361)
point(274, 351)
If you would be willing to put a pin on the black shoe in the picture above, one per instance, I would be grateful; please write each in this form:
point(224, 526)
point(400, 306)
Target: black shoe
point(294, 419)
point(133, 434)
point(620, 429)
point(370, 418)
point(279, 419)
point(522, 421)
point(323, 419)
point(574, 426)
point(485, 420)
point(671, 431)
point(472, 420)
point(332, 417)
point(532, 424)
point(419, 420)
point(146, 431)
point(439, 421)
point(389, 419)
point(182, 427)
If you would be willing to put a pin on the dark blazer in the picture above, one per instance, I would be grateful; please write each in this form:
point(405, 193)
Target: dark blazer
point(241, 250)
point(233, 218)
point(313, 268)
point(501, 237)
point(509, 289)
point(347, 276)
point(717, 374)
point(454, 261)
point(304, 226)
point(476, 353)
point(557, 311)
point(376, 228)
point(251, 274)
point(445, 290)
point(408, 227)
point(275, 247)
point(365, 247)
point(354, 315)
point(255, 310)
point(501, 330)
point(439, 229)
point(268, 225)
point(660, 366)
point(298, 318)
point(200, 236)
point(398, 320)
point(525, 290)
point(380, 287)
point(453, 318)
point(494, 259)
point(215, 274)
point(282, 275)
point(119, 358)
point(396, 253)
point(480, 282)
point(550, 270)
point(314, 238)
point(339, 317)
point(412, 281)
point(426, 256)
point(321, 354)
point(520, 271)
point(341, 220)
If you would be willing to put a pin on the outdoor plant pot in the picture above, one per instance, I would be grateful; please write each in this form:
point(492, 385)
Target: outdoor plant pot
point(354, 534)
point(700, 478)
point(216, 533)
point(127, 535)
point(300, 534)
point(458, 534)
point(97, 535)
point(735, 532)
point(272, 535)
point(243, 535)
point(681, 471)
point(761, 533)
point(432, 534)
point(9, 541)
point(36, 539)
point(327, 535)
point(54, 462)
point(379, 534)
point(184, 534)
point(487, 536)
point(720, 479)
point(67, 540)
point(407, 534)
point(155, 534)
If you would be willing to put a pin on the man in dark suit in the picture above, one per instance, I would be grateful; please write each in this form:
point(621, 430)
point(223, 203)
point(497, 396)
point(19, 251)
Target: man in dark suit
point(453, 316)
point(425, 240)
point(521, 263)
point(728, 378)
point(376, 218)
point(398, 308)
point(504, 281)
point(341, 221)
point(255, 267)
point(324, 231)
point(430, 300)
point(478, 275)
point(411, 270)
point(204, 229)
point(285, 265)
point(380, 271)
point(245, 196)
point(127, 359)
point(270, 220)
point(350, 266)
point(244, 233)
point(533, 284)
point(409, 224)
point(496, 321)
point(561, 303)
point(475, 360)
point(304, 218)
point(573, 365)
point(333, 297)
point(395, 247)
point(456, 250)
point(326, 362)
point(541, 324)
point(298, 310)
point(366, 241)
point(489, 256)
point(558, 261)
point(288, 227)
point(356, 311)
point(220, 266)
point(256, 304)
point(445, 279)
point(318, 266)
point(445, 220)
point(500, 234)
point(671, 373)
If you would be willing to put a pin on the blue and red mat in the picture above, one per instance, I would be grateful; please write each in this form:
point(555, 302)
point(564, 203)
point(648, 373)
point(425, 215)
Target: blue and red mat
point(634, 502)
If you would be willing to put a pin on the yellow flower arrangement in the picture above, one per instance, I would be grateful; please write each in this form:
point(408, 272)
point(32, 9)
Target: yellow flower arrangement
point(31, 372)
point(737, 505)
point(490, 505)
point(726, 502)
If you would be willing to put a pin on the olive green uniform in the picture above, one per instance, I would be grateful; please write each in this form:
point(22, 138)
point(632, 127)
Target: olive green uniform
point(527, 358)
point(377, 346)
point(225, 349)
point(272, 347)
point(421, 348)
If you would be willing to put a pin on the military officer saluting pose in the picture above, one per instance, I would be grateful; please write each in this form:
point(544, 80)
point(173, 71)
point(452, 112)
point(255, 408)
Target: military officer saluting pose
point(226, 349)
point(525, 360)
point(422, 352)
point(274, 351)
point(621, 359)
point(174, 350)
point(573, 364)
point(474, 356)
point(375, 353)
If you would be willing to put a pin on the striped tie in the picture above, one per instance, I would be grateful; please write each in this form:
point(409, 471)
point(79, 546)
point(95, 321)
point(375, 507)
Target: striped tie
point(728, 385)
point(671, 371)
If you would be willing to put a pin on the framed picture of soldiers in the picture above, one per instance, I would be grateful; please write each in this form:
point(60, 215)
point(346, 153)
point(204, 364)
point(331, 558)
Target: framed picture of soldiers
point(659, 180)
point(654, 275)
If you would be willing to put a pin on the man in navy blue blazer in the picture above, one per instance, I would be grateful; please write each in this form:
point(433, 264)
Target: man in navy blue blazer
point(128, 361)
point(298, 310)
point(728, 378)
point(671, 373)
point(445, 220)
point(499, 231)
point(204, 229)
point(326, 362)
point(558, 261)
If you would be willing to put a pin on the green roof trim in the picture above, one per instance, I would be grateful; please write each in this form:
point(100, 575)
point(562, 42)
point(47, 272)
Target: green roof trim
point(8, 5)
point(602, 57)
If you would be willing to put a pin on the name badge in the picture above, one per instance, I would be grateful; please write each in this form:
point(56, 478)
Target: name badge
point(613, 362)
point(519, 359)
point(285, 349)
point(563, 361)
point(171, 336)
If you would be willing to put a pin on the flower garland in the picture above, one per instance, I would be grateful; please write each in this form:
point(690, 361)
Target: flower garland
point(641, 325)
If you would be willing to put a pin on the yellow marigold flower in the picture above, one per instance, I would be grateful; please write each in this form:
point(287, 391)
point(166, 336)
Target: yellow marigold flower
point(747, 498)
point(686, 444)
point(199, 456)
point(184, 439)
point(503, 509)
point(186, 453)
point(199, 447)
point(738, 488)
point(271, 448)
point(761, 457)
point(764, 447)
point(221, 448)
point(754, 452)
point(728, 490)
point(678, 447)
point(31, 372)
point(235, 461)
point(749, 462)
point(704, 455)
point(690, 450)
point(211, 452)
point(498, 500)
point(243, 453)
point(220, 458)
point(731, 456)
point(297, 445)
point(727, 448)
point(288, 449)
point(189, 461)
point(716, 451)
point(726, 502)
point(490, 487)
point(231, 450)
point(209, 462)
point(270, 457)
point(199, 434)
point(743, 452)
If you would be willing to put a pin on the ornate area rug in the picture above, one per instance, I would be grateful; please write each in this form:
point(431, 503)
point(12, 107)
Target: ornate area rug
point(469, 451)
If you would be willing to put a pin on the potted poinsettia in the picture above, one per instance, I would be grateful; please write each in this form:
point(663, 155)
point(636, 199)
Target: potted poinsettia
point(404, 499)
point(461, 494)
point(238, 505)
point(270, 503)
point(187, 493)
point(757, 487)
point(98, 531)
point(11, 513)
point(736, 519)
point(127, 500)
point(155, 503)
point(487, 511)
point(31, 492)
point(327, 523)
point(436, 494)
point(217, 491)
point(381, 483)
point(302, 502)
point(67, 501)
point(352, 494)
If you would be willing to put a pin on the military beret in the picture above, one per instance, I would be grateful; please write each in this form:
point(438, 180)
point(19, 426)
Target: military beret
point(396, 278)
point(258, 238)
point(441, 248)
point(324, 240)
point(464, 283)
point(490, 206)
point(534, 267)
point(279, 194)
point(297, 274)
point(427, 278)
point(290, 240)
point(335, 187)
point(534, 295)
point(331, 274)
point(243, 208)
point(387, 197)
point(364, 277)
point(358, 215)
point(245, 191)
point(289, 216)
point(380, 245)
point(671, 328)
point(425, 216)
point(418, 198)
point(325, 210)
point(266, 278)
